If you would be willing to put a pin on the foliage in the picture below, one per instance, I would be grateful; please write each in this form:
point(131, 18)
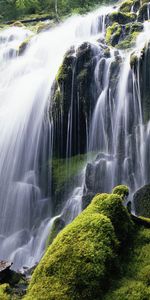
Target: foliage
point(12, 9)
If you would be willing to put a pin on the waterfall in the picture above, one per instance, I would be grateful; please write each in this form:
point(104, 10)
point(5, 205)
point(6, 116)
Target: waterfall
point(115, 132)
point(26, 140)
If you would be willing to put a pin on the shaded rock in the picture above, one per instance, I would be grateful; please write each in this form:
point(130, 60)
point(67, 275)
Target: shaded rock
point(57, 226)
point(7, 275)
point(86, 199)
point(143, 13)
point(141, 221)
point(141, 200)
point(122, 18)
point(73, 101)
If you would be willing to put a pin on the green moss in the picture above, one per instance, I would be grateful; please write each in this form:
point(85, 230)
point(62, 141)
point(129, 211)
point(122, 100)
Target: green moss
point(121, 190)
point(123, 36)
point(126, 6)
point(111, 206)
point(144, 275)
point(130, 290)
point(64, 69)
point(134, 282)
point(64, 170)
point(78, 263)
point(4, 292)
point(113, 34)
point(23, 46)
point(122, 18)
point(133, 60)
point(128, 42)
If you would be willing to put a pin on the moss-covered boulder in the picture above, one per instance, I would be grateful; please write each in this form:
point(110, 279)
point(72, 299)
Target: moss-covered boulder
point(123, 36)
point(78, 263)
point(133, 284)
point(111, 206)
point(141, 201)
point(4, 292)
point(122, 18)
point(122, 191)
point(82, 259)
point(126, 6)
point(113, 34)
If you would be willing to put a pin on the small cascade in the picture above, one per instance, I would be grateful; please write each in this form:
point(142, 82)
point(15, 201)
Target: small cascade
point(148, 10)
point(26, 141)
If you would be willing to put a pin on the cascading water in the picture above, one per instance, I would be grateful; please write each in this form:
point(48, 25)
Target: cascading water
point(116, 132)
point(27, 137)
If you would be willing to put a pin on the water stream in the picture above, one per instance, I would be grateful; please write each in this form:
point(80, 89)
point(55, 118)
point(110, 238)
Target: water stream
point(26, 139)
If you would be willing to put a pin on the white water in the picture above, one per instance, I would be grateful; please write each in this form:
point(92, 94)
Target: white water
point(26, 135)
point(26, 138)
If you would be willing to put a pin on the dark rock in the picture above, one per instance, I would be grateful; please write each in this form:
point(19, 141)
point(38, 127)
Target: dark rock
point(57, 226)
point(7, 275)
point(86, 199)
point(141, 200)
point(143, 15)
point(73, 101)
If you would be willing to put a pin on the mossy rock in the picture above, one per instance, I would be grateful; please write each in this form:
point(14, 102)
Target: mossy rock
point(141, 201)
point(17, 24)
point(123, 36)
point(42, 26)
point(126, 6)
point(72, 94)
point(78, 263)
point(4, 292)
point(121, 190)
point(111, 206)
point(130, 290)
point(133, 60)
point(144, 275)
point(113, 34)
point(122, 18)
point(24, 45)
point(81, 261)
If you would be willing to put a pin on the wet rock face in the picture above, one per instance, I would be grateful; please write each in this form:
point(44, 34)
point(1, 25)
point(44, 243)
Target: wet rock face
point(142, 62)
point(143, 12)
point(96, 178)
point(141, 200)
point(73, 100)
point(123, 36)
